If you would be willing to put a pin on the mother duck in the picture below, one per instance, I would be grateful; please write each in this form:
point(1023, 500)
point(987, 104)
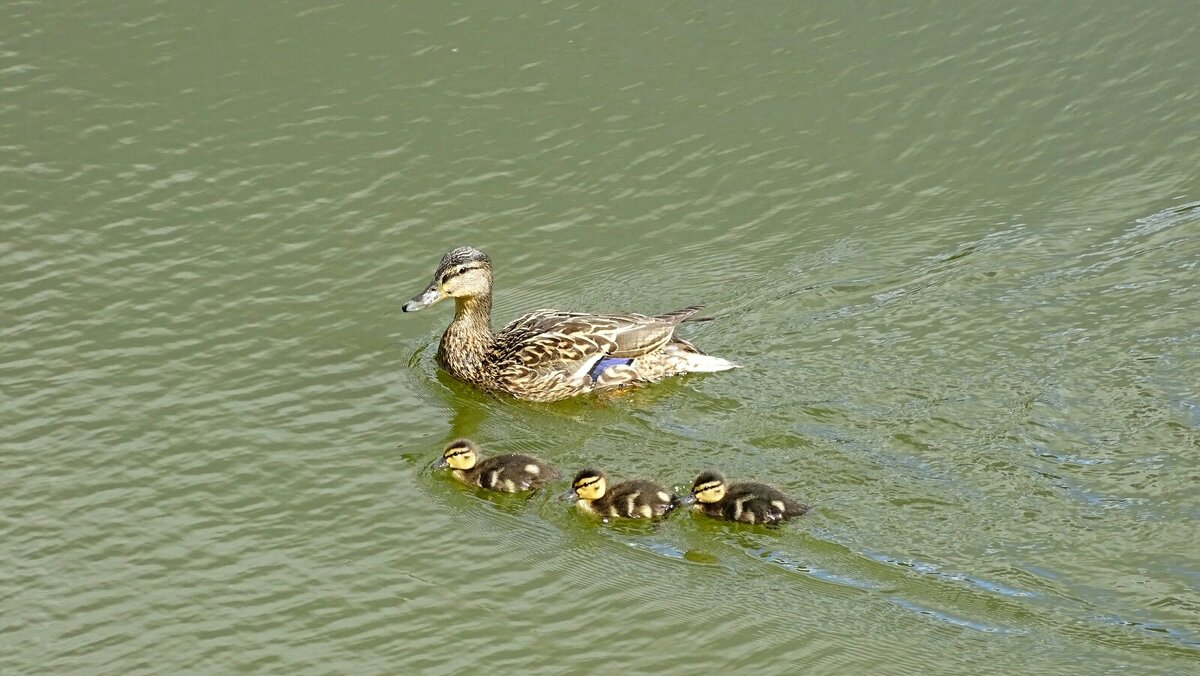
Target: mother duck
point(548, 355)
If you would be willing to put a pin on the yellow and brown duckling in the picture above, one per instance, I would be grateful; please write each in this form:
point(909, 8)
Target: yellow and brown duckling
point(633, 499)
point(509, 473)
point(742, 502)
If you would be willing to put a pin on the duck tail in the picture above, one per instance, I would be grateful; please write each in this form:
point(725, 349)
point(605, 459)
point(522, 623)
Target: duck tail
point(683, 315)
point(705, 363)
point(676, 503)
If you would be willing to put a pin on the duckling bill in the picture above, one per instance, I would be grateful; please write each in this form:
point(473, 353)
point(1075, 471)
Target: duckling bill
point(633, 499)
point(745, 502)
point(509, 473)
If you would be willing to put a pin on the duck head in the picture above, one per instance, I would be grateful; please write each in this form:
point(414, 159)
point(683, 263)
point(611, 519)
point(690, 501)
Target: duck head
point(465, 272)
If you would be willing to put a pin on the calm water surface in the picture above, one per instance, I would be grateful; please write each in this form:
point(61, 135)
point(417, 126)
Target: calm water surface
point(956, 248)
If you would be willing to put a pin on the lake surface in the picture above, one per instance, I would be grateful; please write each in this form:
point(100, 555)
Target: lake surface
point(955, 248)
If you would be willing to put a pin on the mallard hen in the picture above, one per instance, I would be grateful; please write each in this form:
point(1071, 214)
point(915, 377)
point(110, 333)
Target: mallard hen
point(548, 355)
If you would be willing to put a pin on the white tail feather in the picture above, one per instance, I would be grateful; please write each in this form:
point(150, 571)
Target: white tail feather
point(703, 363)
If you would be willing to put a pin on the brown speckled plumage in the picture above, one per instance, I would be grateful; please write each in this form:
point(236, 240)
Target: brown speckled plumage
point(548, 355)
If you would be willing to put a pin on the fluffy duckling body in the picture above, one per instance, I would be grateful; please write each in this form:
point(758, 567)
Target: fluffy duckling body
point(508, 473)
point(633, 499)
point(742, 502)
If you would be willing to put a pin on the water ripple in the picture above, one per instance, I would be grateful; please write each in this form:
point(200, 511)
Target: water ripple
point(953, 249)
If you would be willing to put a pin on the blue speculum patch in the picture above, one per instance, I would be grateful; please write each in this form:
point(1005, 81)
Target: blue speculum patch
point(605, 363)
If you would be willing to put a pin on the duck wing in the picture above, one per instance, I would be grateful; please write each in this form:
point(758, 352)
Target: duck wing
point(578, 335)
point(547, 341)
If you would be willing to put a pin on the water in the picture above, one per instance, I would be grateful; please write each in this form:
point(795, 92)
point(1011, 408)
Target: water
point(955, 248)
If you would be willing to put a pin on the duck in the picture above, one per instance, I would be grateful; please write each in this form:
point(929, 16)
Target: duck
point(509, 473)
point(632, 499)
point(549, 355)
point(745, 502)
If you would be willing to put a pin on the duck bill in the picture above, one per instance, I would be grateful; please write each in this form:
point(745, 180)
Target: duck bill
point(569, 496)
point(440, 463)
point(424, 299)
point(687, 500)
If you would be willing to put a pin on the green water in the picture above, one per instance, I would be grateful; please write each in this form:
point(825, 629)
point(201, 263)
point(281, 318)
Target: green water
point(955, 247)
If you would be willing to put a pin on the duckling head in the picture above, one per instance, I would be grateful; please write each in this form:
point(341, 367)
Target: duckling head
point(465, 272)
point(589, 484)
point(708, 488)
point(459, 454)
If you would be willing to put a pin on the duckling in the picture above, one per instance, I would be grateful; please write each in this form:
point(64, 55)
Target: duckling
point(633, 499)
point(510, 473)
point(743, 502)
